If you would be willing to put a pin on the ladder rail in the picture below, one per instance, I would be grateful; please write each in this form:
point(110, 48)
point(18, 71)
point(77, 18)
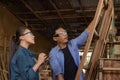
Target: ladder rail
point(87, 46)
point(100, 45)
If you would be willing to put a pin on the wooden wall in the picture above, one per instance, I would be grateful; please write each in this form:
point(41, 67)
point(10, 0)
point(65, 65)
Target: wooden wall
point(8, 24)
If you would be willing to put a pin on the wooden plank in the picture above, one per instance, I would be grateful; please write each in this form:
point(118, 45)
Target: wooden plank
point(96, 33)
point(111, 69)
point(112, 59)
point(117, 42)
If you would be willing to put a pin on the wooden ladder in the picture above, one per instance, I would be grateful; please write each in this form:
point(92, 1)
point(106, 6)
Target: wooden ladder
point(102, 19)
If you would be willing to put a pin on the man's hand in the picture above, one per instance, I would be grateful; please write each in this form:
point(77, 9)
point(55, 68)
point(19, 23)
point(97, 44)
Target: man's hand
point(90, 26)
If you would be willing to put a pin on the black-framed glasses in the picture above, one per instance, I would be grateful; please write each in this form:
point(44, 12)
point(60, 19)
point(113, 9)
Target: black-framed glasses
point(27, 33)
point(60, 33)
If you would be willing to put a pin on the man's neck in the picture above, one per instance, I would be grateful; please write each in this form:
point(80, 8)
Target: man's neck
point(62, 46)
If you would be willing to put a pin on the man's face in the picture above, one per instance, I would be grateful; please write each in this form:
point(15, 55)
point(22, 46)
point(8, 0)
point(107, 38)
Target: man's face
point(62, 36)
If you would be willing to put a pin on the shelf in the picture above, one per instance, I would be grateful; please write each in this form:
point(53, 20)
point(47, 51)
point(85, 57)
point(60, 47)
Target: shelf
point(117, 42)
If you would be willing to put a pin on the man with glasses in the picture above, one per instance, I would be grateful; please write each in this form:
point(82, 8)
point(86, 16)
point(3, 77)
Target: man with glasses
point(65, 57)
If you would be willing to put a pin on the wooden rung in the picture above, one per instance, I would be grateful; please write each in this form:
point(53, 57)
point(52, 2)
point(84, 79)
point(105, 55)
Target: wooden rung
point(104, 41)
point(96, 33)
point(112, 59)
point(111, 69)
point(117, 42)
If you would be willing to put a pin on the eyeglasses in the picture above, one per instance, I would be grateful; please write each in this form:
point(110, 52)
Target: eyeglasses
point(27, 33)
point(60, 33)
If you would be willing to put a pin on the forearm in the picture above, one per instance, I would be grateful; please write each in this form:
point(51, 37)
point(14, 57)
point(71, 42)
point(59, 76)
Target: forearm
point(40, 60)
point(36, 66)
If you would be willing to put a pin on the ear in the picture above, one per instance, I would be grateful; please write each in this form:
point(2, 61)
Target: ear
point(21, 37)
point(55, 38)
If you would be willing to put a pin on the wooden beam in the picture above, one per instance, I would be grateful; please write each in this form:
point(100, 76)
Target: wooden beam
point(46, 11)
point(39, 29)
point(64, 16)
point(117, 42)
point(82, 11)
point(67, 28)
point(70, 23)
point(58, 12)
point(111, 69)
point(54, 11)
point(40, 18)
point(117, 22)
point(118, 28)
point(112, 59)
point(67, 16)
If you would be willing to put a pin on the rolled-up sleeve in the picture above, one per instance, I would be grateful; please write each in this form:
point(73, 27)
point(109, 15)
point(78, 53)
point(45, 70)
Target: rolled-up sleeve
point(81, 39)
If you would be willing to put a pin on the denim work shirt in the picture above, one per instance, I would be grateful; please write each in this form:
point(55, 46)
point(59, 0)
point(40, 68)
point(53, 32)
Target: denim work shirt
point(57, 56)
point(21, 65)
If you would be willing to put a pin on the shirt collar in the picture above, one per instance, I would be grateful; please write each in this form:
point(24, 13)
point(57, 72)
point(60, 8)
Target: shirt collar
point(27, 51)
point(58, 48)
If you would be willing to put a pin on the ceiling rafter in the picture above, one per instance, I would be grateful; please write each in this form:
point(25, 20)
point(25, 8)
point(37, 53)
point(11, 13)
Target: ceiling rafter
point(64, 16)
point(75, 11)
point(54, 11)
point(58, 12)
point(42, 16)
point(28, 6)
point(67, 28)
point(21, 20)
point(66, 22)
point(83, 11)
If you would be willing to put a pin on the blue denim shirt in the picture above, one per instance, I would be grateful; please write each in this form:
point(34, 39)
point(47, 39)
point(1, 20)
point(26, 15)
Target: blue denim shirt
point(21, 65)
point(57, 57)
